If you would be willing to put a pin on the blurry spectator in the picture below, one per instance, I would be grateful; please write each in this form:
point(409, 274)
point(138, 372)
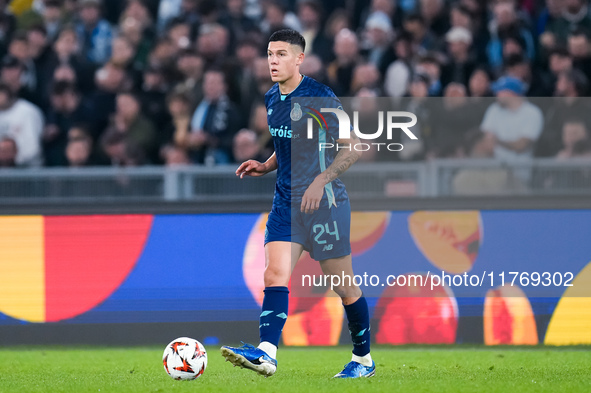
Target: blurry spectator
point(49, 16)
point(277, 17)
point(507, 35)
point(460, 16)
point(174, 156)
point(366, 75)
point(340, 71)
point(244, 85)
point(137, 128)
point(580, 50)
point(110, 79)
point(8, 152)
point(163, 55)
point(572, 83)
point(137, 10)
point(574, 135)
point(66, 51)
point(576, 145)
point(7, 26)
point(392, 8)
point(479, 83)
point(123, 55)
point(246, 147)
point(179, 34)
point(536, 84)
point(213, 124)
point(19, 49)
point(461, 64)
point(208, 11)
point(263, 79)
point(429, 65)
point(191, 66)
point(133, 30)
point(23, 122)
point(153, 96)
point(512, 124)
point(119, 150)
point(66, 46)
point(378, 35)
point(451, 121)
point(79, 152)
point(167, 10)
point(423, 39)
point(310, 16)
point(559, 61)
point(415, 149)
point(94, 33)
point(571, 87)
point(484, 181)
point(189, 12)
point(314, 68)
point(575, 16)
point(66, 110)
point(549, 15)
point(40, 52)
point(212, 44)
point(434, 15)
point(180, 108)
point(258, 123)
point(12, 74)
point(238, 24)
point(398, 75)
point(337, 21)
point(64, 73)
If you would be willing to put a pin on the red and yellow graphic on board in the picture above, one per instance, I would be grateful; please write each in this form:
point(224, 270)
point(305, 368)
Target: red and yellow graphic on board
point(367, 228)
point(416, 315)
point(449, 240)
point(509, 318)
point(55, 268)
point(315, 313)
point(571, 320)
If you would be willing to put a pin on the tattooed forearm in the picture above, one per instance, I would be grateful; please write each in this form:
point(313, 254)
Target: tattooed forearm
point(343, 161)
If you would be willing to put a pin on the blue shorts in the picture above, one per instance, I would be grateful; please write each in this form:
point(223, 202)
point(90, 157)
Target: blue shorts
point(325, 234)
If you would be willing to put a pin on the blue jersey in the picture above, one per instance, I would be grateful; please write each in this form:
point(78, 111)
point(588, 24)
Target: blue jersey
point(299, 157)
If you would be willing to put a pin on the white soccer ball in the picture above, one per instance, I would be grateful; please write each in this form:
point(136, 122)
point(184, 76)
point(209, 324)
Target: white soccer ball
point(184, 359)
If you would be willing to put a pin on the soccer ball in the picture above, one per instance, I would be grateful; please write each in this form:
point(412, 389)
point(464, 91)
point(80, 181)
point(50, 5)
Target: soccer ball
point(184, 358)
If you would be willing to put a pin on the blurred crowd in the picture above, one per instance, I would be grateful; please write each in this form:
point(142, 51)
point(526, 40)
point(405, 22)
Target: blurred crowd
point(172, 82)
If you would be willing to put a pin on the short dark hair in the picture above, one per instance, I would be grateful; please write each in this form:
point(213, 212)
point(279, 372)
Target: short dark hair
point(63, 87)
point(579, 79)
point(560, 51)
point(515, 59)
point(290, 36)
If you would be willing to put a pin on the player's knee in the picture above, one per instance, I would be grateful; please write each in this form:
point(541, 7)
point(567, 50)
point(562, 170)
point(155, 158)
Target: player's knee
point(348, 292)
point(275, 278)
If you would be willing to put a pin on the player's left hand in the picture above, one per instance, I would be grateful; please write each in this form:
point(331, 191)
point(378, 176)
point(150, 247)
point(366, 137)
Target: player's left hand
point(312, 197)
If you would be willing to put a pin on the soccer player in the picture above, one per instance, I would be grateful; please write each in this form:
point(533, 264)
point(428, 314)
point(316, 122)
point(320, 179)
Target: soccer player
point(308, 197)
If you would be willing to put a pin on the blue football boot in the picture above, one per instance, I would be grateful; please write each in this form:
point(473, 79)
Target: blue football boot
point(247, 356)
point(357, 370)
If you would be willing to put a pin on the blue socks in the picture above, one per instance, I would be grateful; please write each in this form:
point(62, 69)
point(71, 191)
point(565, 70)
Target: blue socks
point(274, 314)
point(358, 317)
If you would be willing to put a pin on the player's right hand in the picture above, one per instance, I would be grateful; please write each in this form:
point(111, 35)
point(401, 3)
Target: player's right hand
point(251, 168)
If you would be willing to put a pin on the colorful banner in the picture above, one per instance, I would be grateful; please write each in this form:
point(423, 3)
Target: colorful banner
point(191, 268)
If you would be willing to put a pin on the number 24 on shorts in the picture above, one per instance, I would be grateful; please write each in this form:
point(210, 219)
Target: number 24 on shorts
point(320, 229)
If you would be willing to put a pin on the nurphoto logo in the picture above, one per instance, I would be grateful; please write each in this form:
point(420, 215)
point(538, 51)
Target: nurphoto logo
point(392, 123)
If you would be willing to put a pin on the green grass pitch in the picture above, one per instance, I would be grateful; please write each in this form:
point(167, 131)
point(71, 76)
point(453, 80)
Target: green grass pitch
point(399, 369)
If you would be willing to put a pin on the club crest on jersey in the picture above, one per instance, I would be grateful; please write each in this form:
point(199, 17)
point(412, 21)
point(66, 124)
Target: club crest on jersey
point(296, 112)
point(269, 112)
